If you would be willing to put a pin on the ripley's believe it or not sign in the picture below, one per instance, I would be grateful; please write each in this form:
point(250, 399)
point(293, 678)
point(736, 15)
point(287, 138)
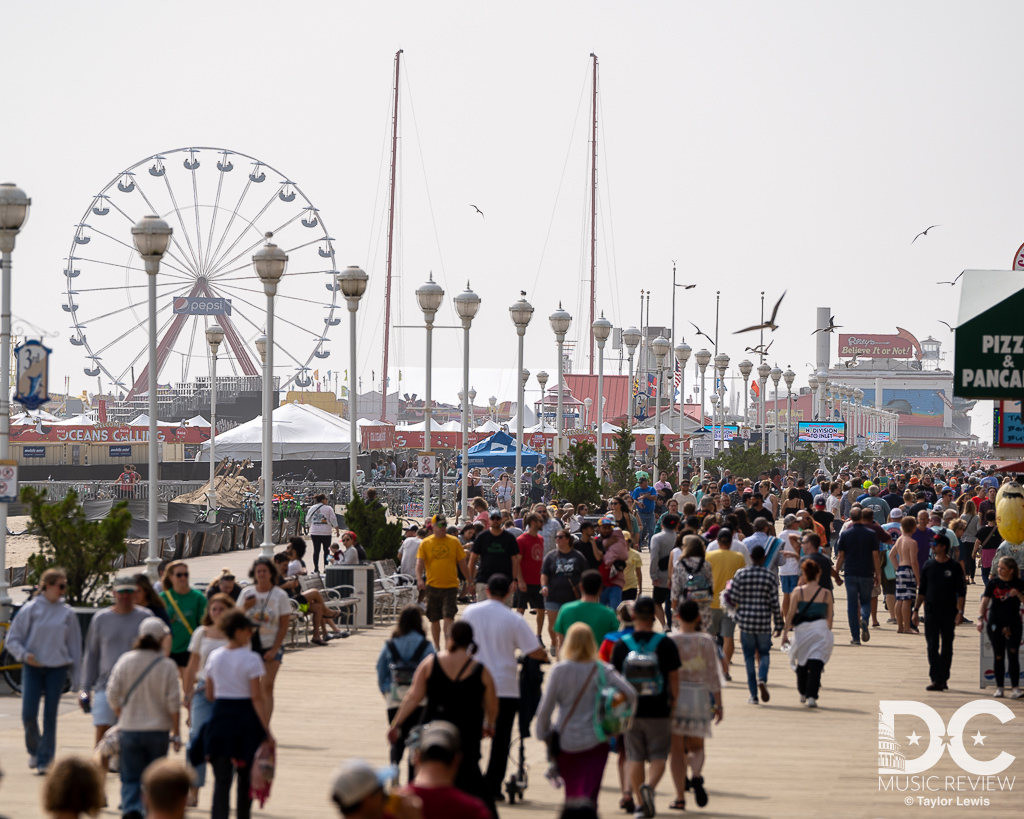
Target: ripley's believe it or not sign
point(902, 345)
point(989, 355)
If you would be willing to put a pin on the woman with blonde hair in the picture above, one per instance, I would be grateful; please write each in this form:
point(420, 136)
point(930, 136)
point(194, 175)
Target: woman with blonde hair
point(573, 685)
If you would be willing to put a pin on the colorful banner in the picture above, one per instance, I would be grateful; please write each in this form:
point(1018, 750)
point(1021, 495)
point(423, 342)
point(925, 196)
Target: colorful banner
point(382, 437)
point(902, 345)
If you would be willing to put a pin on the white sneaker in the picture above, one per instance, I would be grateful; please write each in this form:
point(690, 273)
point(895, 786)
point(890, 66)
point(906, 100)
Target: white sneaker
point(998, 693)
point(812, 703)
point(752, 701)
point(803, 699)
point(1016, 694)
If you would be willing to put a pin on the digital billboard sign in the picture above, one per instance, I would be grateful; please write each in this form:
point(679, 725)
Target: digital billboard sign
point(821, 432)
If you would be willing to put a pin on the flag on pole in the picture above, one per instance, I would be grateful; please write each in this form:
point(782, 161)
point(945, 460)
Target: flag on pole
point(756, 390)
point(652, 384)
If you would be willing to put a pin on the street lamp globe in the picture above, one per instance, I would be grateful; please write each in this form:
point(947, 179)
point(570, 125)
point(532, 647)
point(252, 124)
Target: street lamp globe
point(858, 395)
point(542, 379)
point(746, 367)
point(713, 398)
point(789, 377)
point(721, 363)
point(703, 357)
point(776, 375)
point(560, 321)
point(151, 235)
point(601, 328)
point(812, 382)
point(467, 303)
point(261, 347)
point(14, 205)
point(631, 338)
point(269, 262)
point(763, 371)
point(472, 396)
point(521, 312)
point(661, 348)
point(352, 281)
point(430, 295)
point(682, 352)
point(214, 336)
point(525, 375)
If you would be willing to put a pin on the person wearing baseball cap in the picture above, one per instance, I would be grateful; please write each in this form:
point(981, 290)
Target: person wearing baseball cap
point(143, 691)
point(439, 755)
point(359, 791)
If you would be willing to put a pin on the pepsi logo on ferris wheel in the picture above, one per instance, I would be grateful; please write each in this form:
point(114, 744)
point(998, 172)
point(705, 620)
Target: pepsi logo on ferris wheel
point(185, 306)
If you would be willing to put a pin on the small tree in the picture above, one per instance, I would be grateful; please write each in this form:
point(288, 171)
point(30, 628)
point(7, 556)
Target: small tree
point(578, 482)
point(620, 464)
point(379, 536)
point(744, 463)
point(835, 460)
point(85, 549)
point(664, 463)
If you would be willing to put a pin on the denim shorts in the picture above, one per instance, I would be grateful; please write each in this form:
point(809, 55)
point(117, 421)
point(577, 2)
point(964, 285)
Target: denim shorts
point(102, 713)
point(789, 582)
point(552, 606)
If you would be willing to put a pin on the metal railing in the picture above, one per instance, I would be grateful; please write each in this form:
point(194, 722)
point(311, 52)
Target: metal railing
point(105, 490)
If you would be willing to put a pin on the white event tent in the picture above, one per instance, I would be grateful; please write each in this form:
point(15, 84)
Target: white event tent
point(301, 432)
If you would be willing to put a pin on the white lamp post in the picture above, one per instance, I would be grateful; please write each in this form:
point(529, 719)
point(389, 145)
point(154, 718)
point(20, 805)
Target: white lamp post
point(587, 404)
point(746, 367)
point(542, 379)
point(703, 357)
point(721, 366)
point(858, 397)
point(682, 353)
point(352, 282)
point(631, 338)
point(776, 375)
point(214, 336)
point(789, 377)
point(812, 382)
point(492, 402)
point(661, 348)
point(151, 235)
point(430, 296)
point(14, 206)
point(467, 303)
point(521, 313)
point(269, 262)
point(763, 371)
point(713, 399)
point(601, 328)
point(560, 321)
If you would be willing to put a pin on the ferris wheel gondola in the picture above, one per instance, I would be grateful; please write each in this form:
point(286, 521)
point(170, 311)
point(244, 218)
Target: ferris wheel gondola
point(206, 276)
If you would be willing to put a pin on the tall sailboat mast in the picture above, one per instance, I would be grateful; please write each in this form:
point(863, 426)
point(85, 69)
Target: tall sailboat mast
point(391, 236)
point(593, 214)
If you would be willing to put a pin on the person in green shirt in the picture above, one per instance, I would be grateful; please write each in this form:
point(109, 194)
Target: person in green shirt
point(185, 606)
point(601, 619)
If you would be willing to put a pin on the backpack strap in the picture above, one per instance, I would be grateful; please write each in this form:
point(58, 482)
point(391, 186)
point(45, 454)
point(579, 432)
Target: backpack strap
point(417, 655)
point(630, 642)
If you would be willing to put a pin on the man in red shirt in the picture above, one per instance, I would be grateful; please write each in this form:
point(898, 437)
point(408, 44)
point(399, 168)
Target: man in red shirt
point(531, 556)
point(437, 763)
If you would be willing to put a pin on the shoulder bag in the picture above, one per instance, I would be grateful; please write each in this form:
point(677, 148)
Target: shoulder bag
point(177, 610)
point(555, 738)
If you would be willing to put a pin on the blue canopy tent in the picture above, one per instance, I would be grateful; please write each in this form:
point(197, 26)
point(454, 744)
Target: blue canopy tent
point(500, 450)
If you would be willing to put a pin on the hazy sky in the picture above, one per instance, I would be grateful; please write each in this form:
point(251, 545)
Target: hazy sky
point(764, 146)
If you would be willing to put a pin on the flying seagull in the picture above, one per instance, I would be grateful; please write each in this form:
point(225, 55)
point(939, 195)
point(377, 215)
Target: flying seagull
point(923, 233)
point(853, 361)
point(954, 280)
point(474, 207)
point(950, 326)
point(686, 286)
point(832, 326)
point(767, 325)
point(702, 333)
point(759, 350)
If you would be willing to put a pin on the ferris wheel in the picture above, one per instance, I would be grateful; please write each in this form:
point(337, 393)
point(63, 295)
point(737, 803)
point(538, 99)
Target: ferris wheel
point(220, 204)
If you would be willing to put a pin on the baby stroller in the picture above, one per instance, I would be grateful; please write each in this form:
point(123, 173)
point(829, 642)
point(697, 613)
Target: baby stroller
point(531, 676)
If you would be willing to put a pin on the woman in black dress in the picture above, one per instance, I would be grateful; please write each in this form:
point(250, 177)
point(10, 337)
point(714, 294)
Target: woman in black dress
point(460, 690)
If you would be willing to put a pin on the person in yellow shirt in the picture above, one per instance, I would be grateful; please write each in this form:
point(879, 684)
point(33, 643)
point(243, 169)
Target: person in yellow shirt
point(724, 564)
point(633, 578)
point(441, 556)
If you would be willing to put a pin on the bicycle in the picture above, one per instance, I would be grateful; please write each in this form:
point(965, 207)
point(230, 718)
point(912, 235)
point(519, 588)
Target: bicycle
point(10, 668)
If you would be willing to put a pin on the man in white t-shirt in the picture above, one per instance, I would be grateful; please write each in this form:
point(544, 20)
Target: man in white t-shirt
point(499, 632)
point(407, 551)
point(322, 523)
point(684, 495)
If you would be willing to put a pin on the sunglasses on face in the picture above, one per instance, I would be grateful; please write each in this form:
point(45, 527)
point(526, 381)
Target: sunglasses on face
point(561, 537)
point(181, 574)
point(60, 586)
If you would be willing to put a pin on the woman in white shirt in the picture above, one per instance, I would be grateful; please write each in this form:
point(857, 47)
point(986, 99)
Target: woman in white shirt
point(268, 606)
point(789, 558)
point(240, 721)
point(204, 640)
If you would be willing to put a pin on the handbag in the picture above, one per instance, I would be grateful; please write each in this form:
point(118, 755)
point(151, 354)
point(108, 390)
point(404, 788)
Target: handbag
point(554, 742)
point(257, 645)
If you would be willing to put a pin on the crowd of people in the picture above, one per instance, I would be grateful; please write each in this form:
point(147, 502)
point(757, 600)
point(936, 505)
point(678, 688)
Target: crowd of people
point(636, 672)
